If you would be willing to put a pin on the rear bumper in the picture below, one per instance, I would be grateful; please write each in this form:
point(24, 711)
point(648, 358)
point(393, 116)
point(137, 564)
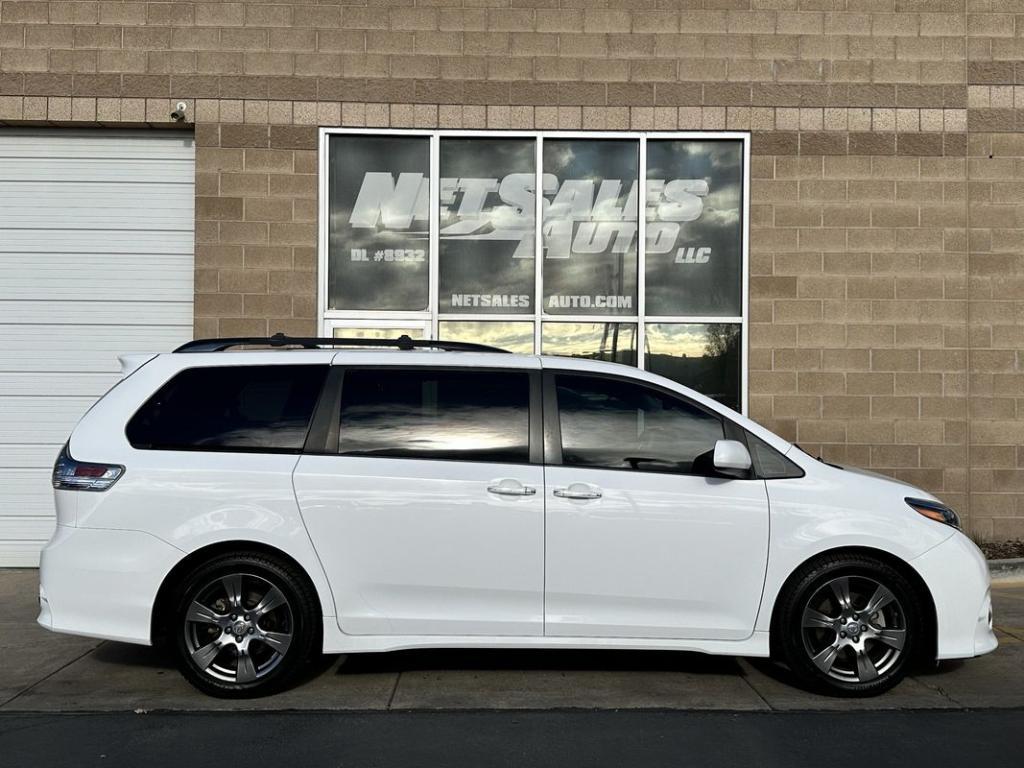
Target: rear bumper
point(957, 575)
point(102, 583)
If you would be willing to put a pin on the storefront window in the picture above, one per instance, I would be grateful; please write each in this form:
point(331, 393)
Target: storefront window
point(694, 227)
point(436, 234)
point(486, 226)
point(357, 332)
point(590, 230)
point(705, 357)
point(378, 223)
point(514, 336)
point(611, 342)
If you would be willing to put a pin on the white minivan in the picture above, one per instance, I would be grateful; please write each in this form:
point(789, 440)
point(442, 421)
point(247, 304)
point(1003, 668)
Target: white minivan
point(252, 507)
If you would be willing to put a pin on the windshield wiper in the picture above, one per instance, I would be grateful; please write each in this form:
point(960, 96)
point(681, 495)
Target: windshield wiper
point(819, 458)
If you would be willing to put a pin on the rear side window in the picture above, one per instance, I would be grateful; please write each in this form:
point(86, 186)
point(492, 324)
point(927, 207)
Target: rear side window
point(617, 424)
point(435, 414)
point(230, 408)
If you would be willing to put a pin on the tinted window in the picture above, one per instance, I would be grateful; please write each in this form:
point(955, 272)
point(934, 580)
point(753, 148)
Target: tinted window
point(429, 414)
point(770, 464)
point(243, 408)
point(620, 425)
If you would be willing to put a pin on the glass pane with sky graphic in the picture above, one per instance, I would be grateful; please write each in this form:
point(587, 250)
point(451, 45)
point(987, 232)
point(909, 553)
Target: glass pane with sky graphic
point(378, 223)
point(486, 225)
point(694, 237)
point(590, 226)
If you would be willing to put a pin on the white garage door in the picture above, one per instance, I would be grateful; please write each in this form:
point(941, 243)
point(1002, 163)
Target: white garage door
point(96, 259)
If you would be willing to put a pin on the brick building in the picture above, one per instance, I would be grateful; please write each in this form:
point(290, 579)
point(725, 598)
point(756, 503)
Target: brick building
point(861, 284)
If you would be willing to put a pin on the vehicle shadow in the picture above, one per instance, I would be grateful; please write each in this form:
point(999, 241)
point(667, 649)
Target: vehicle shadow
point(127, 655)
point(160, 659)
point(780, 673)
point(486, 659)
point(455, 659)
point(937, 669)
point(541, 660)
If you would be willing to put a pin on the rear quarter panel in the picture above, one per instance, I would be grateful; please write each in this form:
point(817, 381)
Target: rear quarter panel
point(192, 499)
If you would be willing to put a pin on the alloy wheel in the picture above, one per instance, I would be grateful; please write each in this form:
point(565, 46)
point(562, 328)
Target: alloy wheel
point(238, 628)
point(854, 629)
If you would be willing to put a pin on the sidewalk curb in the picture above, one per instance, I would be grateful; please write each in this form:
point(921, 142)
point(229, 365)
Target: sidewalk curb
point(1008, 570)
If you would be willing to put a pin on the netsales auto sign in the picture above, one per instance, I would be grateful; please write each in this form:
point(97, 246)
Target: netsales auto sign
point(580, 216)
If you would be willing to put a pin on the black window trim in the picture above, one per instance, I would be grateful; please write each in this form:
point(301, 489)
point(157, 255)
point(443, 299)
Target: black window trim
point(233, 449)
point(324, 430)
point(553, 430)
point(756, 462)
point(324, 423)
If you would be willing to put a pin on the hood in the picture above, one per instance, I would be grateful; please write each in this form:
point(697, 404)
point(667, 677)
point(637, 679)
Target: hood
point(913, 490)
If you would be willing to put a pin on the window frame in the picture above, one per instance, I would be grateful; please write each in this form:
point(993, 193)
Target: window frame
point(328, 319)
point(553, 425)
point(324, 431)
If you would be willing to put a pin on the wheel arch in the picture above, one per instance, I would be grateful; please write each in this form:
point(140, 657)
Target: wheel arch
point(162, 603)
point(929, 648)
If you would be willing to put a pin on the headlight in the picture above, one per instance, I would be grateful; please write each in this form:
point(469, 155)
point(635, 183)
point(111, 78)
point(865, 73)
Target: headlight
point(936, 511)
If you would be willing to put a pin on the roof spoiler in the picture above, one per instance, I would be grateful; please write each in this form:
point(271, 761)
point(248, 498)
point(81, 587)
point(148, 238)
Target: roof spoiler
point(130, 363)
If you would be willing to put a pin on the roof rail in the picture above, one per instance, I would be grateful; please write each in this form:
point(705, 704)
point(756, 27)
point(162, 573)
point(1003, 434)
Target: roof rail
point(403, 342)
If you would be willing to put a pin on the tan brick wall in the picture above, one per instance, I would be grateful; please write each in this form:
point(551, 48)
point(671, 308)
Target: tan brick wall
point(995, 170)
point(256, 211)
point(908, 54)
point(887, 282)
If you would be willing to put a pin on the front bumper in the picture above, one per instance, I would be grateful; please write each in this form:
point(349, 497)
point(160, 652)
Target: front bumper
point(957, 575)
point(102, 583)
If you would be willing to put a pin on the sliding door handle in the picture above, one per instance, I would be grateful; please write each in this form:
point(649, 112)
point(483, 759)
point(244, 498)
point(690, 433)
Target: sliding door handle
point(509, 487)
point(578, 491)
point(524, 491)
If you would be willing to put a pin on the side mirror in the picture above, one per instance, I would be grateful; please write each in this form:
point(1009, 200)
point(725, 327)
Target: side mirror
point(732, 458)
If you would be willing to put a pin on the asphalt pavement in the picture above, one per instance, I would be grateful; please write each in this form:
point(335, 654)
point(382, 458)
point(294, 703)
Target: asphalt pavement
point(623, 739)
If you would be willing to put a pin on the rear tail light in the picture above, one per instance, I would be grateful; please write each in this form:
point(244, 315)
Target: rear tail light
point(72, 475)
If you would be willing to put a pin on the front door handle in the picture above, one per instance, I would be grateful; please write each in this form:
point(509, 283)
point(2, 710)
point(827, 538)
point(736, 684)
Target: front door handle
point(509, 487)
point(578, 491)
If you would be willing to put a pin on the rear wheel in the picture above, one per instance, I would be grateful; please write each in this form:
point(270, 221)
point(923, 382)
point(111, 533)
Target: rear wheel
point(243, 625)
point(850, 625)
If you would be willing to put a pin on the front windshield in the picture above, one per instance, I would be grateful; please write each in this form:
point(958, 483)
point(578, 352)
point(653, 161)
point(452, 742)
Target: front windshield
point(816, 458)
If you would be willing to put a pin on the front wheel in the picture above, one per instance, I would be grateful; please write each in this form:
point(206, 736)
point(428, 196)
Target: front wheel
point(850, 625)
point(243, 625)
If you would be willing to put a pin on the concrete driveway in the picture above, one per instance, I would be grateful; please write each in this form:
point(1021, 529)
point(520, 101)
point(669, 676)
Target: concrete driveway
point(45, 672)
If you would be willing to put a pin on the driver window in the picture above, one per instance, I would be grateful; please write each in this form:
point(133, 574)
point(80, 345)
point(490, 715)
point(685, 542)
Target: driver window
point(618, 424)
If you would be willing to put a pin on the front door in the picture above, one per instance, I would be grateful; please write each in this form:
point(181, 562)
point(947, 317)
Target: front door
point(639, 543)
point(428, 515)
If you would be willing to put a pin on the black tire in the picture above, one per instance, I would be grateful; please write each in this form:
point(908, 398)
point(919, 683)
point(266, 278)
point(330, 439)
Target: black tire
point(278, 632)
point(856, 654)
